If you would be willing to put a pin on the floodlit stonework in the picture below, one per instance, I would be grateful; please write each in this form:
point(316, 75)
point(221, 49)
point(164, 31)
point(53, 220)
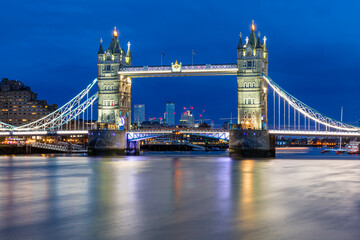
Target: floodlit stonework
point(114, 90)
point(252, 60)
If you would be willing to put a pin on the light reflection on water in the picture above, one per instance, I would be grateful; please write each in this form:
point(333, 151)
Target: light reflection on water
point(301, 194)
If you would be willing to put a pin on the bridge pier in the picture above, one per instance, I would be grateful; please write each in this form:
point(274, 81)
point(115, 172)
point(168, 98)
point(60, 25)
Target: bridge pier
point(251, 143)
point(107, 142)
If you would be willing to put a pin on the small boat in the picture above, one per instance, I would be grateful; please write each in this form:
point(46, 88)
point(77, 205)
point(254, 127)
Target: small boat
point(353, 147)
point(340, 151)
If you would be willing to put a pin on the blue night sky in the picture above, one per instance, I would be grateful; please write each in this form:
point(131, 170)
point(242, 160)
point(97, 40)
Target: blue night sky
point(313, 49)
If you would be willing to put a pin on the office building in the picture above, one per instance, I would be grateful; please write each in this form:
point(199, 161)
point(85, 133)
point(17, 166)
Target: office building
point(187, 119)
point(170, 113)
point(139, 113)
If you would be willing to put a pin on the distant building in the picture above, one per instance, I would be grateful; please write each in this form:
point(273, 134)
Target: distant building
point(19, 105)
point(187, 119)
point(152, 123)
point(170, 113)
point(226, 126)
point(139, 113)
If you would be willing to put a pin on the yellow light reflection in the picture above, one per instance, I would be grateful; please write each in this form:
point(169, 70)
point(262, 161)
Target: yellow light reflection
point(177, 180)
point(247, 194)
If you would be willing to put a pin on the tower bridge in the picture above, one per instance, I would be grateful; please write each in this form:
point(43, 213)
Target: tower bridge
point(253, 134)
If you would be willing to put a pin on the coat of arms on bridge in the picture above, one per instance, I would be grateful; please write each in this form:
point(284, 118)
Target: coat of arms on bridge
point(176, 67)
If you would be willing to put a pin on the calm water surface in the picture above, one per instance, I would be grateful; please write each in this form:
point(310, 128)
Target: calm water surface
point(299, 195)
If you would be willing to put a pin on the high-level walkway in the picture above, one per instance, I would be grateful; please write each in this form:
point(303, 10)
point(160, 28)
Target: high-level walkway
point(177, 70)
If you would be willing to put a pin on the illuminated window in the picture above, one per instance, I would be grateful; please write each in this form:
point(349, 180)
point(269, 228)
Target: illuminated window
point(24, 120)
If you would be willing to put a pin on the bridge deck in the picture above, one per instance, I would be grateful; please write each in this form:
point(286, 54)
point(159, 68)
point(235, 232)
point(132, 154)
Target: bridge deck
point(185, 131)
point(181, 71)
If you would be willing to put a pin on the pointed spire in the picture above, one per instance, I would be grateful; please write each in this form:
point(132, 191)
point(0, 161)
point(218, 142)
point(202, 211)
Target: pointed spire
point(240, 44)
point(101, 49)
point(265, 48)
point(128, 54)
point(114, 44)
point(128, 57)
point(258, 43)
point(117, 47)
point(252, 38)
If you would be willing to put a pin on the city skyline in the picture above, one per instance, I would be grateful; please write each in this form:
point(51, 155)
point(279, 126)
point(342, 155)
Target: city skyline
point(299, 59)
point(198, 114)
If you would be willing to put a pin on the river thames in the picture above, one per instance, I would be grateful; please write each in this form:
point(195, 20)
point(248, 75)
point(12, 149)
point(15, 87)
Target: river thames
point(301, 194)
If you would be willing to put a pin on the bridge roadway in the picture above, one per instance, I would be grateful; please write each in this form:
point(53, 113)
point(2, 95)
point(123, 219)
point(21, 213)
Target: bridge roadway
point(224, 134)
point(136, 135)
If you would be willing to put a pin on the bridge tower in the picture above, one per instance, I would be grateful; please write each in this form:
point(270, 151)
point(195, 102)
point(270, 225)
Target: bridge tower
point(251, 137)
point(252, 61)
point(114, 108)
point(114, 90)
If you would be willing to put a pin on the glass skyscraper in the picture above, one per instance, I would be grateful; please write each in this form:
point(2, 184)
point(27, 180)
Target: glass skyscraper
point(139, 113)
point(170, 113)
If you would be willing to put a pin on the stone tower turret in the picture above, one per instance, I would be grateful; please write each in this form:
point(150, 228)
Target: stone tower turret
point(252, 60)
point(114, 91)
